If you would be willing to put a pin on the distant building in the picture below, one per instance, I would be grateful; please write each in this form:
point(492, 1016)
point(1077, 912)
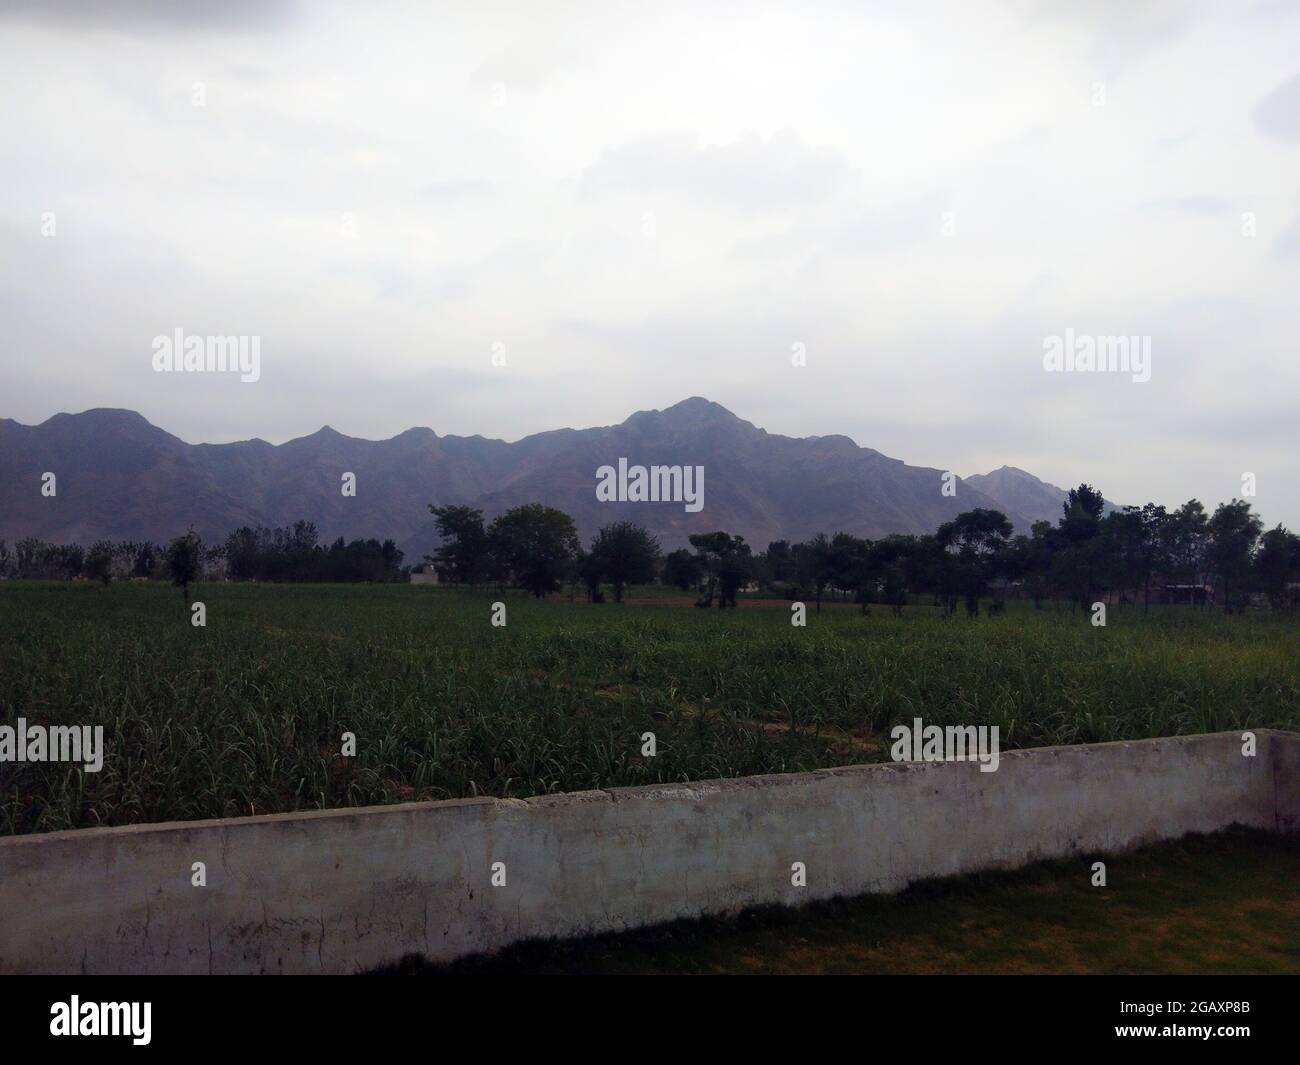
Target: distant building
point(424, 574)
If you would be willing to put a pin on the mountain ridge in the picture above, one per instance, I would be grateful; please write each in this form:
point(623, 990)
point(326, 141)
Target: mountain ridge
point(119, 476)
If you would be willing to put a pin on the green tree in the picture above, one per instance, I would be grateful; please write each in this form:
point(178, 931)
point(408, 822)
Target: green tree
point(726, 563)
point(27, 556)
point(1184, 540)
point(895, 587)
point(1149, 555)
point(819, 563)
point(1233, 534)
point(850, 564)
point(892, 563)
point(626, 554)
point(1130, 543)
point(536, 545)
point(682, 569)
point(590, 571)
point(146, 560)
point(464, 554)
point(977, 538)
point(1277, 565)
point(242, 554)
point(99, 562)
point(185, 561)
point(1084, 503)
point(780, 561)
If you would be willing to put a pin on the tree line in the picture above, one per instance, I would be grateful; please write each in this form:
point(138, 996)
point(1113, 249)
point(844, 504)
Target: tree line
point(1186, 554)
point(1127, 555)
point(291, 553)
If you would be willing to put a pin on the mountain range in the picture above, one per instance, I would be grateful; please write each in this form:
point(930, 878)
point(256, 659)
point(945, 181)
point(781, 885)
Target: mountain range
point(119, 477)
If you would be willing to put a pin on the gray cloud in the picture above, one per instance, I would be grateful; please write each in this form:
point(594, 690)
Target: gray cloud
point(146, 16)
point(1287, 243)
point(357, 193)
point(1278, 113)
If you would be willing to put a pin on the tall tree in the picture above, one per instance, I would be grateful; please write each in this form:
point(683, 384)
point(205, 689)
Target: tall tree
point(780, 561)
point(185, 561)
point(1131, 542)
point(625, 554)
point(1184, 540)
point(242, 554)
point(590, 572)
point(681, 569)
point(146, 560)
point(99, 562)
point(726, 563)
point(1080, 562)
point(1233, 531)
point(977, 538)
point(464, 554)
point(1277, 566)
point(819, 563)
point(536, 544)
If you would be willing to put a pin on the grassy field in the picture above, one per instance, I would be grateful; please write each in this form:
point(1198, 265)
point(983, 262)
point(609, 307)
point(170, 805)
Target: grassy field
point(246, 715)
point(1228, 903)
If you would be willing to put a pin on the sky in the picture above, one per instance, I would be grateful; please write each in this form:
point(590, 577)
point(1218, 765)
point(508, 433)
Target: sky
point(504, 218)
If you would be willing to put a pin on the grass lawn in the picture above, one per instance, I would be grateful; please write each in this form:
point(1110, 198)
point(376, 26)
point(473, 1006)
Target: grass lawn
point(1227, 904)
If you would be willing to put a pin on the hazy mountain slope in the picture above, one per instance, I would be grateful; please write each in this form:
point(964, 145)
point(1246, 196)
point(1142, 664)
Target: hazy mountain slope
point(1022, 493)
point(119, 477)
point(1014, 489)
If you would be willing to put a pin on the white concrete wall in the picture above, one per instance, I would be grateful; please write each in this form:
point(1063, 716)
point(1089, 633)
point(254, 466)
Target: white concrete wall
point(339, 891)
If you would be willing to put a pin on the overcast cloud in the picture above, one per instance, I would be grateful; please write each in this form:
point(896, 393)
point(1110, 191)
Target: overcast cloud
point(647, 202)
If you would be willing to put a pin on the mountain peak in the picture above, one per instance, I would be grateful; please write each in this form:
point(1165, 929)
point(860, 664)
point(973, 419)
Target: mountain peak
point(325, 434)
point(104, 423)
point(694, 412)
point(1006, 474)
point(102, 416)
point(698, 405)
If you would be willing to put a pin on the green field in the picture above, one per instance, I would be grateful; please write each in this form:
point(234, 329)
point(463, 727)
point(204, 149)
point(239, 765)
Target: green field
point(246, 715)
